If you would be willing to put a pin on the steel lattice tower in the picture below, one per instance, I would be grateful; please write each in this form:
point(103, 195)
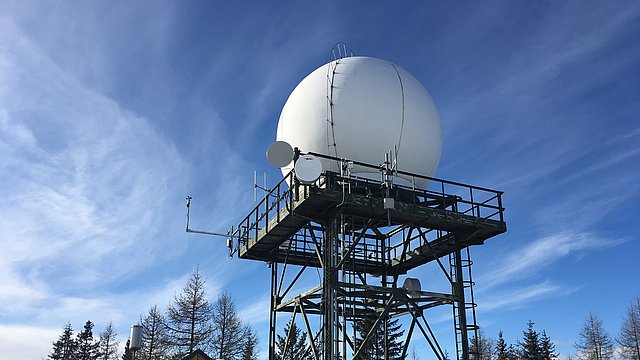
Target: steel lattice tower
point(361, 236)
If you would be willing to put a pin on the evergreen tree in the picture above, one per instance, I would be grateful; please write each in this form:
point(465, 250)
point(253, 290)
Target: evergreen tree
point(127, 355)
point(229, 334)
point(414, 354)
point(530, 344)
point(249, 352)
point(629, 337)
point(64, 348)
point(481, 348)
point(87, 349)
point(512, 353)
point(294, 342)
point(190, 316)
point(594, 343)
point(374, 349)
point(547, 347)
point(502, 349)
point(446, 355)
point(108, 344)
point(154, 335)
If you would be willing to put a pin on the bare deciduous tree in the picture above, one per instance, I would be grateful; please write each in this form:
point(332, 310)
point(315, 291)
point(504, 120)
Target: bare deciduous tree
point(155, 336)
point(108, 344)
point(229, 333)
point(594, 343)
point(629, 337)
point(190, 316)
point(481, 348)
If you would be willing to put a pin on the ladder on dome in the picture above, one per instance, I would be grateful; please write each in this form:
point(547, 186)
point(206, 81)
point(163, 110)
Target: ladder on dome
point(340, 51)
point(464, 310)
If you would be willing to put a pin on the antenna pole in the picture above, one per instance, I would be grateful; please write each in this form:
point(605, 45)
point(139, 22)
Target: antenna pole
point(255, 183)
point(188, 206)
point(264, 184)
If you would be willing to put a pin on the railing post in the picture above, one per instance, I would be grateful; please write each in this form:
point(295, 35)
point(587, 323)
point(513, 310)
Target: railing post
point(278, 205)
point(266, 212)
point(257, 220)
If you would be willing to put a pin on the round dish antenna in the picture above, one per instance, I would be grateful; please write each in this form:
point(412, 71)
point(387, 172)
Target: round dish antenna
point(280, 154)
point(308, 169)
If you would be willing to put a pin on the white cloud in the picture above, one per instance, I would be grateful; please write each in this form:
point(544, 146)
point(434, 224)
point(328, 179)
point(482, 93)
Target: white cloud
point(29, 341)
point(541, 252)
point(516, 298)
point(520, 109)
point(258, 312)
point(85, 185)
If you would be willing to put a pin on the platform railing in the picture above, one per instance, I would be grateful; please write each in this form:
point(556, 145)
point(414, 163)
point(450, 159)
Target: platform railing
point(470, 200)
point(276, 199)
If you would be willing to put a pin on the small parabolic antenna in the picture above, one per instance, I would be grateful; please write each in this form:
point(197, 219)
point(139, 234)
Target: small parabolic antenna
point(308, 169)
point(280, 154)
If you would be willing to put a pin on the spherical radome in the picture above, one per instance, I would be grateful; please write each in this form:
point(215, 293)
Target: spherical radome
point(360, 108)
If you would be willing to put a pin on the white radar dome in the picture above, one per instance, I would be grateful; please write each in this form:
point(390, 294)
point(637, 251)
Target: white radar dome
point(360, 108)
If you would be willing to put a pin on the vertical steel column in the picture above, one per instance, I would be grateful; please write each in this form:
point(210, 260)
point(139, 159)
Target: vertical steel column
point(272, 313)
point(385, 284)
point(458, 293)
point(329, 290)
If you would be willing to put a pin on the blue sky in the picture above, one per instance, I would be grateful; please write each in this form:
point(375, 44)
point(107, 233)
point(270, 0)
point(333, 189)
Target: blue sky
point(112, 112)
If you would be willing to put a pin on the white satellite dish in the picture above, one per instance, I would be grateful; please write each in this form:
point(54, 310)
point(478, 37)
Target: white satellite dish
point(308, 169)
point(280, 154)
point(412, 285)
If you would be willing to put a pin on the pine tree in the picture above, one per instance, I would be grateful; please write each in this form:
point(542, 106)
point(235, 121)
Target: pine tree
point(293, 345)
point(190, 316)
point(594, 343)
point(154, 335)
point(249, 352)
point(108, 344)
point(482, 348)
point(446, 355)
point(64, 348)
point(127, 355)
point(229, 334)
point(530, 344)
point(547, 347)
point(375, 348)
point(502, 349)
point(629, 336)
point(512, 353)
point(87, 348)
point(414, 354)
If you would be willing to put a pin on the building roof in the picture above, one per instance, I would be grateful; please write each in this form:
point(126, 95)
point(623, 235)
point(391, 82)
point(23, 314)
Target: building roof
point(197, 355)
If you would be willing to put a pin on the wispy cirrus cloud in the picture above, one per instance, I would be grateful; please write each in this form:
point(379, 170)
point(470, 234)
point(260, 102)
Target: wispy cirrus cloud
point(258, 312)
point(522, 108)
point(519, 297)
point(527, 260)
point(85, 185)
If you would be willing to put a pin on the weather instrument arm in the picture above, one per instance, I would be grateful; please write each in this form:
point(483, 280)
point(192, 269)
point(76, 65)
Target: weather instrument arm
point(230, 235)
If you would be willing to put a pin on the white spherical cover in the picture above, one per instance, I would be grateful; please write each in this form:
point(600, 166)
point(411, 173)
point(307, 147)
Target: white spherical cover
point(375, 106)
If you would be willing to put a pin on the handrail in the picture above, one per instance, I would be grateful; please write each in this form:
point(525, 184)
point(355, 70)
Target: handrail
point(451, 196)
point(323, 156)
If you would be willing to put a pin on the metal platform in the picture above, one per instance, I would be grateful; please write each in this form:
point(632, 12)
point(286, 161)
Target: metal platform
point(274, 231)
